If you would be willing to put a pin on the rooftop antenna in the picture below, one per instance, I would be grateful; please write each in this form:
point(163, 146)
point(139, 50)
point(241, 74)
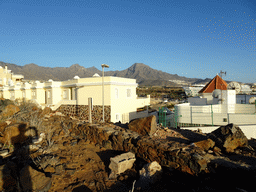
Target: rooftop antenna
point(222, 72)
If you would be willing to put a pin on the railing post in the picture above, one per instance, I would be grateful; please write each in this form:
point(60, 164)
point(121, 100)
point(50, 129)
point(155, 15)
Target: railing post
point(212, 114)
point(175, 118)
point(191, 114)
point(159, 116)
point(90, 109)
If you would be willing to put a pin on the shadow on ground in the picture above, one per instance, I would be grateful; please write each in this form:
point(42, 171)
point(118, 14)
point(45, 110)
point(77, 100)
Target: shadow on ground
point(190, 135)
point(82, 188)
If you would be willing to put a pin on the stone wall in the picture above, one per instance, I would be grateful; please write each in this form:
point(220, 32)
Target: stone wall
point(82, 111)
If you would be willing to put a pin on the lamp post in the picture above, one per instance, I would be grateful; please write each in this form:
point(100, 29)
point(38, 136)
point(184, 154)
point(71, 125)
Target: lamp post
point(103, 65)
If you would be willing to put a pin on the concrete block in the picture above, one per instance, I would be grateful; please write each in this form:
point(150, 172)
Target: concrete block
point(121, 163)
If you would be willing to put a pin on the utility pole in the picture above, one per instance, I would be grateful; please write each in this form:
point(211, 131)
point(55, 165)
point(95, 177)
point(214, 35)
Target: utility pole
point(103, 65)
point(90, 109)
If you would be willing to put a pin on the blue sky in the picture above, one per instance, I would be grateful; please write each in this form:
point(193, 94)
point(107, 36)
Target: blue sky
point(190, 38)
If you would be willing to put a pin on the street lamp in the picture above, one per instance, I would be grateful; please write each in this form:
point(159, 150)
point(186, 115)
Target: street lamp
point(103, 65)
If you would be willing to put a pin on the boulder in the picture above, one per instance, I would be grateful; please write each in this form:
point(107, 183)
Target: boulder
point(5, 102)
point(2, 127)
point(10, 110)
point(36, 139)
point(34, 180)
point(205, 144)
point(144, 126)
point(229, 137)
point(14, 133)
point(121, 163)
point(4, 152)
point(149, 174)
point(8, 182)
point(46, 110)
point(252, 100)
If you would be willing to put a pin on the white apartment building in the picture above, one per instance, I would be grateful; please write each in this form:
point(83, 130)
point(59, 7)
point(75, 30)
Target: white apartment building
point(71, 97)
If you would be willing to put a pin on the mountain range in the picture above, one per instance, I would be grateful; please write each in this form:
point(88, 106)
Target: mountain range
point(144, 74)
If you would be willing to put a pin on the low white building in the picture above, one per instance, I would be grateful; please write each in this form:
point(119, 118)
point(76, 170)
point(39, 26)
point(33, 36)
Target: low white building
point(245, 89)
point(215, 106)
point(193, 90)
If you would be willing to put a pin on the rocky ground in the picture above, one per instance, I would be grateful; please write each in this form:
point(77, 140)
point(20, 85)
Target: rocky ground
point(156, 103)
point(42, 150)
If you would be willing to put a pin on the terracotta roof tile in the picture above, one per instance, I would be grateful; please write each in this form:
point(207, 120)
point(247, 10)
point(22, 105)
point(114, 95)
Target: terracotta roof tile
point(216, 83)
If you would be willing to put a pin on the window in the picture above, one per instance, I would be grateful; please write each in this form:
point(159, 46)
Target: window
point(49, 94)
point(33, 94)
point(12, 96)
point(116, 93)
point(129, 92)
point(117, 117)
point(65, 94)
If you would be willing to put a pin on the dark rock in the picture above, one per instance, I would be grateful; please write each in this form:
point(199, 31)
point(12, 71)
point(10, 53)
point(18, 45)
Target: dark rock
point(107, 144)
point(217, 150)
point(10, 110)
point(46, 110)
point(117, 142)
point(229, 137)
point(144, 126)
point(5, 102)
point(99, 186)
point(2, 127)
point(14, 133)
point(70, 171)
point(73, 142)
point(59, 169)
point(205, 144)
point(149, 174)
point(7, 180)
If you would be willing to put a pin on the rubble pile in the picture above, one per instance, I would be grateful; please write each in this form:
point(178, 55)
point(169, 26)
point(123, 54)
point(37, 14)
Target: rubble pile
point(68, 154)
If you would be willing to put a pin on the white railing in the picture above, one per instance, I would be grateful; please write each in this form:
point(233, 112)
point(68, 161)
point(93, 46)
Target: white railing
point(142, 101)
point(215, 114)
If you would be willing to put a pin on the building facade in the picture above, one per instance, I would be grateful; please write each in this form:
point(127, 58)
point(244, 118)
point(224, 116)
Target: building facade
point(216, 105)
point(8, 78)
point(71, 97)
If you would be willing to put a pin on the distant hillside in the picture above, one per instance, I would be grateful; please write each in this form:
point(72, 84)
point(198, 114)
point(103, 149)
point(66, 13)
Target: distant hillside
point(35, 72)
point(144, 74)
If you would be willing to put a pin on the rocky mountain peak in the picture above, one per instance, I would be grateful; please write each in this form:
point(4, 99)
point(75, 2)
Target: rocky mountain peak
point(76, 66)
point(144, 74)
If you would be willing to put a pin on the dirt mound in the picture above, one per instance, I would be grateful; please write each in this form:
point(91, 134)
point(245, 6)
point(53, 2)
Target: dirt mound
point(75, 155)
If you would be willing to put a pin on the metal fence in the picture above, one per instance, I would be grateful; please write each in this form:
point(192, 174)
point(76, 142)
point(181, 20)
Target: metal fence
point(164, 119)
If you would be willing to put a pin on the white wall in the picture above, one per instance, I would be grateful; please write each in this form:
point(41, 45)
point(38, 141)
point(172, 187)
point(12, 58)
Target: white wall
point(121, 104)
point(197, 101)
point(245, 114)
